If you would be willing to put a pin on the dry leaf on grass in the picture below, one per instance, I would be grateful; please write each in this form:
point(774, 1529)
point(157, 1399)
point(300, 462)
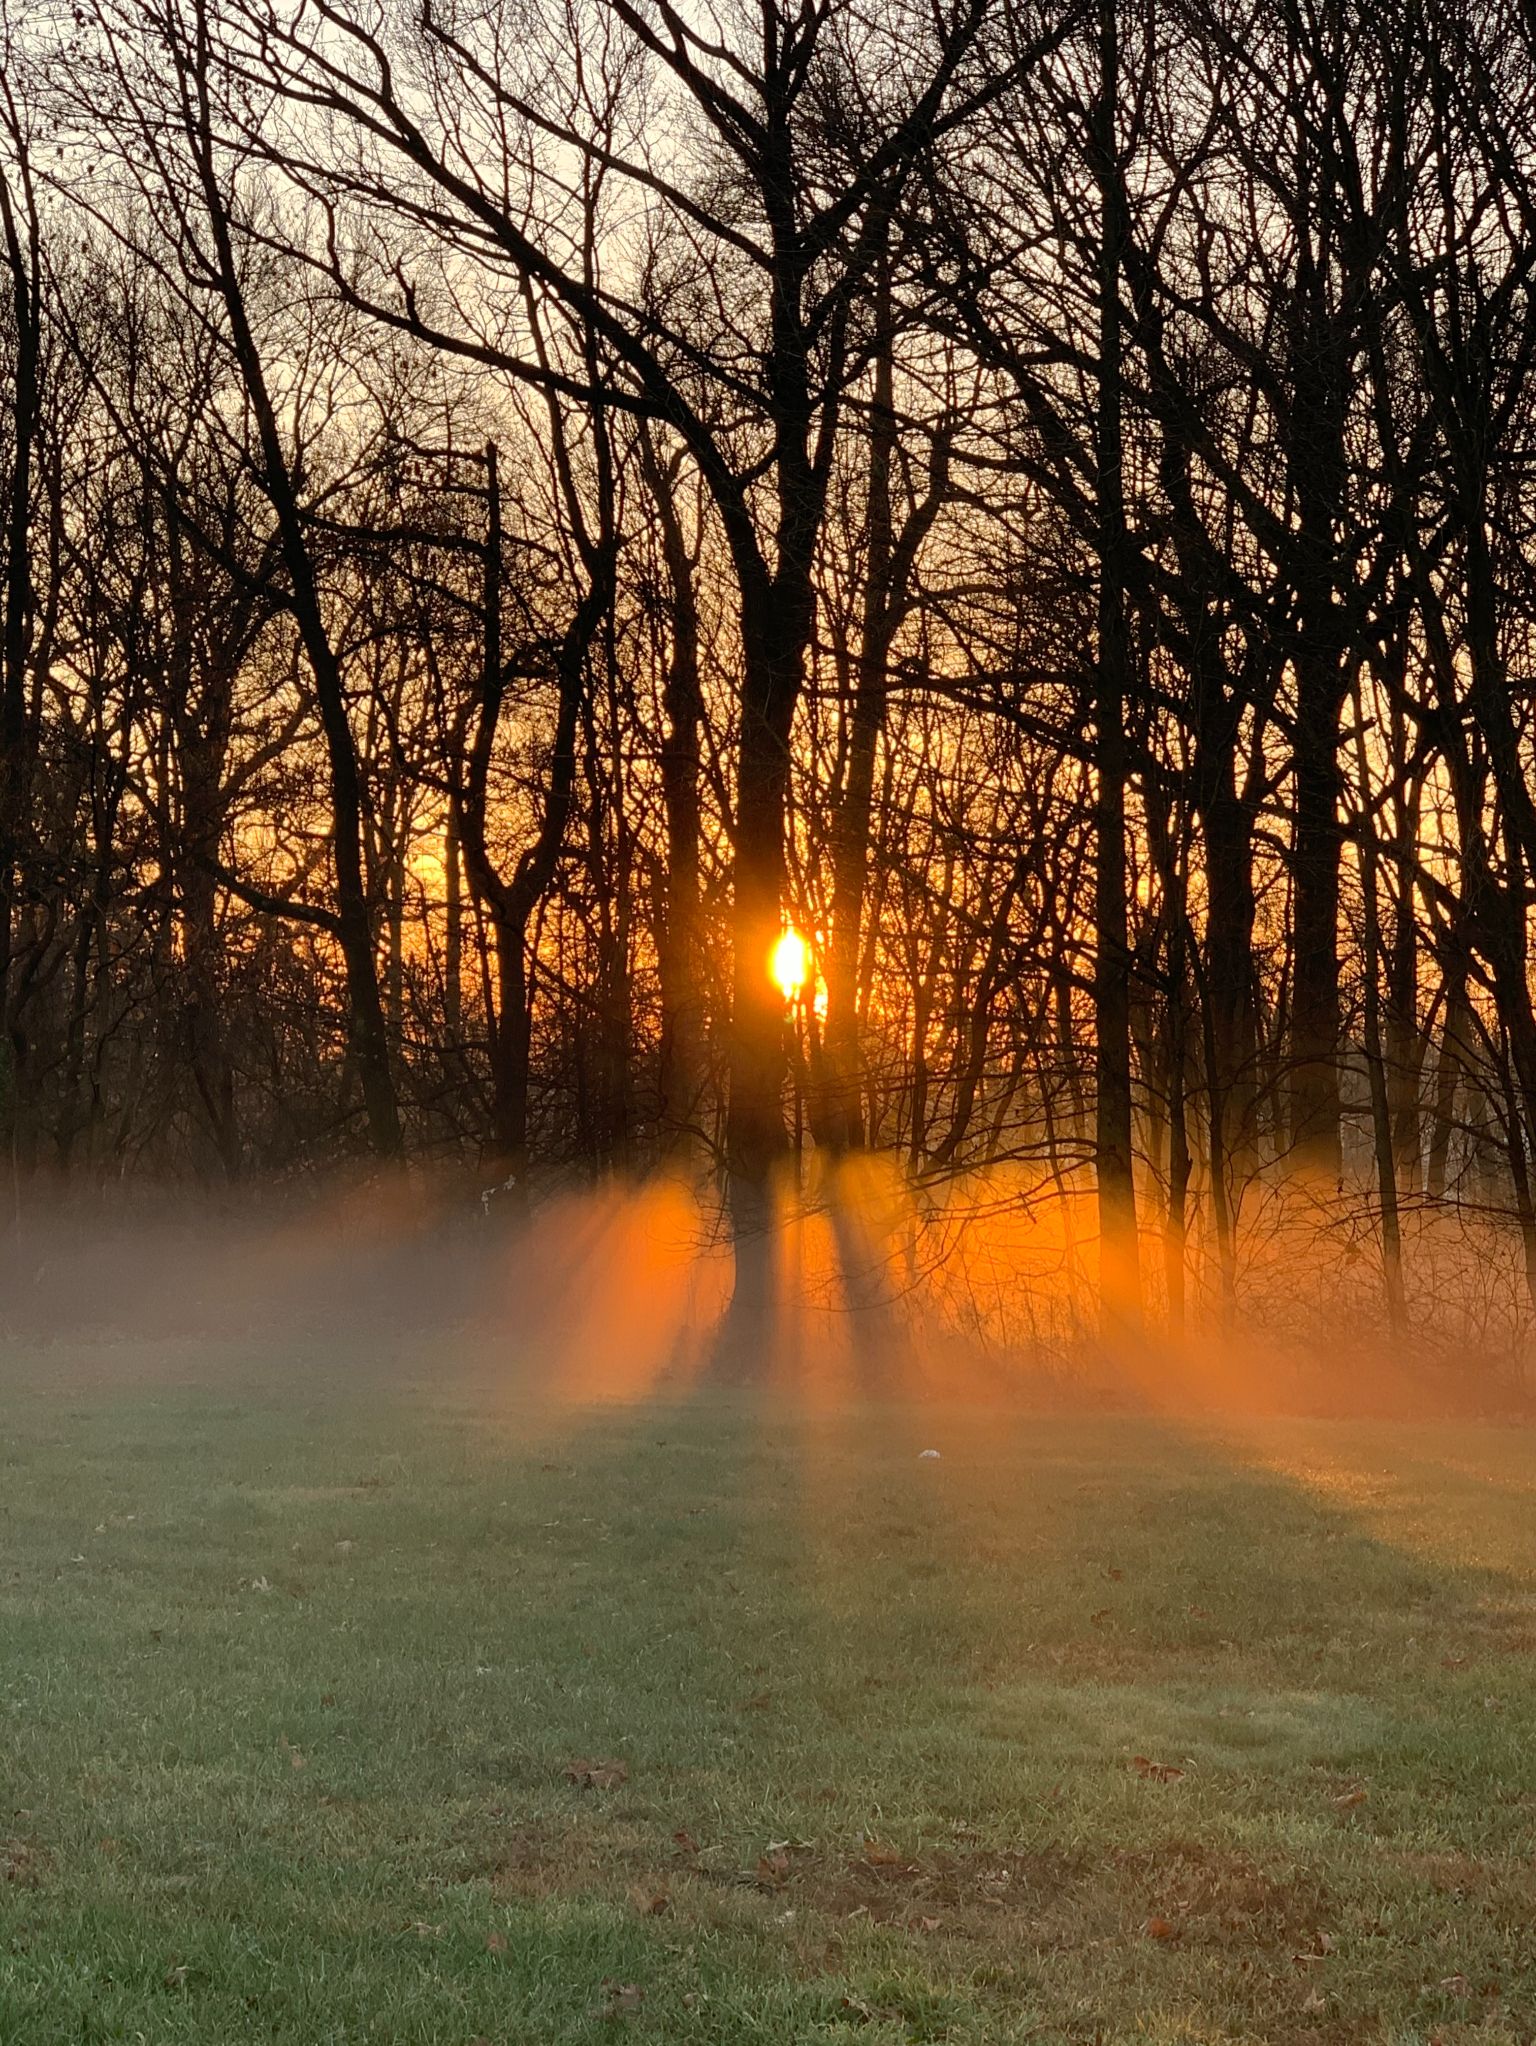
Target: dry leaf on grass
point(1161, 1928)
point(1348, 1799)
point(1156, 1772)
point(878, 1855)
point(619, 2000)
point(597, 1775)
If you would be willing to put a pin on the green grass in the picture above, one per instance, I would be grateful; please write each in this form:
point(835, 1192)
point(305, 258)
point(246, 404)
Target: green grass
point(290, 1684)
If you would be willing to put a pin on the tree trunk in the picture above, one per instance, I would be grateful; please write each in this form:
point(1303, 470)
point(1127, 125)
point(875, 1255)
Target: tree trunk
point(1119, 1261)
point(843, 1115)
point(23, 256)
point(679, 956)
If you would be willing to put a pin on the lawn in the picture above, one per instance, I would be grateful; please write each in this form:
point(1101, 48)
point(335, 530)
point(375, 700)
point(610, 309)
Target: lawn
point(379, 1711)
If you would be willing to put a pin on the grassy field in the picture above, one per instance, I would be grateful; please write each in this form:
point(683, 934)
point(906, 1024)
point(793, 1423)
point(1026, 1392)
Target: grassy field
point(401, 1715)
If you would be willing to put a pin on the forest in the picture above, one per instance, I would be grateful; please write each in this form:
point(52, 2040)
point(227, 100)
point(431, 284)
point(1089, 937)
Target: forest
point(754, 589)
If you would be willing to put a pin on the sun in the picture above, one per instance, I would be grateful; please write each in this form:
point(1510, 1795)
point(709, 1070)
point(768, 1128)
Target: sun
point(789, 963)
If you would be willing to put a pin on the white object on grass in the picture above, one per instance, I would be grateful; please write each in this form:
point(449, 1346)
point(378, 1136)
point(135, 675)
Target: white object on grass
point(924, 1454)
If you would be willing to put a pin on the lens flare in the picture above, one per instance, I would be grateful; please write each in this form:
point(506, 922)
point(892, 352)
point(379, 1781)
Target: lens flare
point(789, 963)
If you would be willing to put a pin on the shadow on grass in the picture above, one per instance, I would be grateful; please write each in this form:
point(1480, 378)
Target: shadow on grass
point(324, 1660)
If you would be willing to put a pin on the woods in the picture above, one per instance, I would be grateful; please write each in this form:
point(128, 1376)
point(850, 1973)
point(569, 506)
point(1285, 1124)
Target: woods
point(508, 509)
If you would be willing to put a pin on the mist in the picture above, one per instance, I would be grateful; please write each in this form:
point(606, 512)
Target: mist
point(976, 1294)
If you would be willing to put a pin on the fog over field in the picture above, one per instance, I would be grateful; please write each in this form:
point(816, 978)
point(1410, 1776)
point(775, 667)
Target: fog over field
point(622, 1295)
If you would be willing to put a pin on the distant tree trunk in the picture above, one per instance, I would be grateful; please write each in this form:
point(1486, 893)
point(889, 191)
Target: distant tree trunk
point(453, 935)
point(19, 222)
point(1119, 1260)
point(1174, 1048)
point(1381, 1117)
point(611, 869)
point(1405, 1038)
point(202, 740)
point(1318, 665)
point(680, 964)
point(844, 1118)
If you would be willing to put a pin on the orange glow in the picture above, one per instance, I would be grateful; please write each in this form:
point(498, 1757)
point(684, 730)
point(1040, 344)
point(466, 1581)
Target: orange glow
point(789, 963)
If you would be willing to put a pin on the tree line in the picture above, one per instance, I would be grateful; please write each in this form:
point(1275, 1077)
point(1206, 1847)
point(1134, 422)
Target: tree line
point(508, 507)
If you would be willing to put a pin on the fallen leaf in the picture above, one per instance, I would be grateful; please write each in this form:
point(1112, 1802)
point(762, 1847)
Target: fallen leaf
point(1347, 1800)
point(649, 1902)
point(929, 1924)
point(597, 1775)
point(878, 1855)
point(686, 1841)
point(773, 1868)
point(1314, 2001)
point(1156, 1772)
point(619, 2000)
point(1161, 1928)
point(1097, 1619)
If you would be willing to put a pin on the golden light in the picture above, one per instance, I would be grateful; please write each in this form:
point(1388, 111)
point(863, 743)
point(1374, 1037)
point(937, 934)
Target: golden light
point(789, 963)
